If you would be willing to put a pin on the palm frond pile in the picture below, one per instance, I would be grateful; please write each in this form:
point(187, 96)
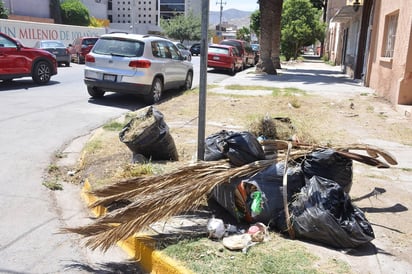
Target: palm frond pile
point(157, 198)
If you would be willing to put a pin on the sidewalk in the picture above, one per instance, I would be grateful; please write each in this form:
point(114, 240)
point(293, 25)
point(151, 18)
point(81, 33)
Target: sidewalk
point(313, 77)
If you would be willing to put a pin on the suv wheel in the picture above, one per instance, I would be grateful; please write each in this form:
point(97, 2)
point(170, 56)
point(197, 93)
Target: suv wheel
point(42, 72)
point(95, 92)
point(155, 92)
point(188, 81)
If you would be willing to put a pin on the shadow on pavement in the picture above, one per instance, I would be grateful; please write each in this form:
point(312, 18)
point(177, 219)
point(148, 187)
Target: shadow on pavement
point(23, 84)
point(117, 100)
point(129, 101)
point(108, 268)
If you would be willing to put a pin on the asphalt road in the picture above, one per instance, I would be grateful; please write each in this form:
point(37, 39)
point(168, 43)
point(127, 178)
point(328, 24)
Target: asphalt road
point(35, 123)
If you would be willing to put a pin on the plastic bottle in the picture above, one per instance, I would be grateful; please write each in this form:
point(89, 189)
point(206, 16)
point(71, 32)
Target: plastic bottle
point(256, 206)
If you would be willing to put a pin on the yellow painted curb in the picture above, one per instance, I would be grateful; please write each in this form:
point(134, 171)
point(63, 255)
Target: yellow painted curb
point(151, 260)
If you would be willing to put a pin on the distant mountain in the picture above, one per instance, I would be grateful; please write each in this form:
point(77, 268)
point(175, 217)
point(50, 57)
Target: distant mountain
point(233, 16)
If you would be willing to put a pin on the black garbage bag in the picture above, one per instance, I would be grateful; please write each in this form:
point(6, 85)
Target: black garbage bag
point(323, 212)
point(240, 148)
point(148, 134)
point(213, 143)
point(328, 164)
point(238, 195)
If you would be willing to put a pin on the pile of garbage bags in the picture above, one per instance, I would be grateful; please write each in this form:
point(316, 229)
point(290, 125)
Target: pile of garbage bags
point(318, 186)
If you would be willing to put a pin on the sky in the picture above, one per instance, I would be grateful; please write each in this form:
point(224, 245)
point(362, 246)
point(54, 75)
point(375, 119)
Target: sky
point(245, 5)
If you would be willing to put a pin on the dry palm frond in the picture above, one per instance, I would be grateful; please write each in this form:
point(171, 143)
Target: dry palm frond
point(372, 151)
point(157, 198)
point(165, 196)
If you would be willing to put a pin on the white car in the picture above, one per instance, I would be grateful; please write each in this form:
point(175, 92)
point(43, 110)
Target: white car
point(137, 64)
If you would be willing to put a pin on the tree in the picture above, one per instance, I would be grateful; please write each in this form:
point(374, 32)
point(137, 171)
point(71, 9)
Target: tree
point(4, 13)
point(98, 23)
point(255, 22)
point(55, 11)
point(301, 25)
point(270, 15)
point(182, 27)
point(243, 34)
point(75, 13)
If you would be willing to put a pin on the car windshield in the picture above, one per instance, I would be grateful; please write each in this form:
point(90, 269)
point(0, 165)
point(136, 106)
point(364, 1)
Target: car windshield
point(217, 50)
point(52, 44)
point(119, 47)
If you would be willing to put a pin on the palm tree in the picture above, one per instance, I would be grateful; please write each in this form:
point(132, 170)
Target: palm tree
point(270, 18)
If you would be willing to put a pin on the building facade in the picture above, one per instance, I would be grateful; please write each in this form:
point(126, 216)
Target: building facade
point(137, 16)
point(29, 10)
point(372, 41)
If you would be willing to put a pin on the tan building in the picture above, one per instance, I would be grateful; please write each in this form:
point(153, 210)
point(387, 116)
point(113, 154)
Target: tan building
point(390, 55)
point(372, 41)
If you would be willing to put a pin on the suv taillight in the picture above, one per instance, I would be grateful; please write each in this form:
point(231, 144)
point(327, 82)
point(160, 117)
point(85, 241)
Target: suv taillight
point(140, 64)
point(89, 58)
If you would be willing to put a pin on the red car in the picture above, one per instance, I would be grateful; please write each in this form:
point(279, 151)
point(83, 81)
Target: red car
point(224, 57)
point(244, 48)
point(80, 47)
point(18, 61)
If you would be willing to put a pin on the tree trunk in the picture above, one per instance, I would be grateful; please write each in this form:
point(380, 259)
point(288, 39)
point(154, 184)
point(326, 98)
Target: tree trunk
point(270, 17)
point(55, 11)
point(265, 64)
point(277, 10)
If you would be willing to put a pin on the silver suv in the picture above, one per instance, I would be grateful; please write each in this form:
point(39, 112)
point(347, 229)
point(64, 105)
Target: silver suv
point(136, 64)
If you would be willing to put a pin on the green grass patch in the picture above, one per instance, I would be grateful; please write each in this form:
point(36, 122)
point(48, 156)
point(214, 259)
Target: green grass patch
point(241, 87)
point(113, 126)
point(93, 145)
point(275, 91)
point(53, 185)
point(135, 170)
point(274, 256)
point(52, 168)
point(287, 92)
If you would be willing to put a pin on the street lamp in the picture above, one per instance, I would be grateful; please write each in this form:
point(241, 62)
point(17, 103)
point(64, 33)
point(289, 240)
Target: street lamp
point(221, 3)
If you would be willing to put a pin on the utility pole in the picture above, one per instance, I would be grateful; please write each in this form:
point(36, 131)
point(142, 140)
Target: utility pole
point(203, 82)
point(221, 3)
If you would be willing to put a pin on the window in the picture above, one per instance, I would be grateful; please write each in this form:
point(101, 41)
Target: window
point(6, 43)
point(391, 23)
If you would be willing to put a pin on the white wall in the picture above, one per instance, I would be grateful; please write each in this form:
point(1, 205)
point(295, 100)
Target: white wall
point(29, 32)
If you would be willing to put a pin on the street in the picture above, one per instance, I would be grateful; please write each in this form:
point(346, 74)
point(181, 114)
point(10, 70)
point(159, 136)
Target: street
point(37, 121)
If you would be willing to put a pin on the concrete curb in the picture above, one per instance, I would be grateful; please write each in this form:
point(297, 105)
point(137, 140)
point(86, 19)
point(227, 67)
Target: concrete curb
point(150, 260)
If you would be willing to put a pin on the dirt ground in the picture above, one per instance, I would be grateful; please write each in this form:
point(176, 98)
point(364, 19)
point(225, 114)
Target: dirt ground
point(383, 194)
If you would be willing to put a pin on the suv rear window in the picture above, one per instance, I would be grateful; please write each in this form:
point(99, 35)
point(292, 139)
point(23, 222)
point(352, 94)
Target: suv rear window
point(119, 47)
point(218, 50)
point(89, 41)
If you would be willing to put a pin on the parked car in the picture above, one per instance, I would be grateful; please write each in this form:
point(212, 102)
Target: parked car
point(256, 51)
point(224, 57)
point(80, 47)
point(57, 48)
point(184, 50)
point(195, 49)
point(143, 65)
point(18, 61)
point(244, 48)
